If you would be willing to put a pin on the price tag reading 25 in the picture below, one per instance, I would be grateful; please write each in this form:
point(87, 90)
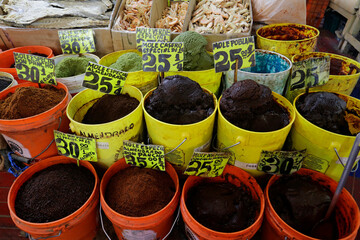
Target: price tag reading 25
point(162, 56)
point(227, 52)
point(151, 35)
point(77, 41)
point(207, 164)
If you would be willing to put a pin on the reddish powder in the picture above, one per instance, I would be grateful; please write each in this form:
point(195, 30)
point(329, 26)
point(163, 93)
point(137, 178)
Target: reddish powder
point(30, 101)
point(138, 192)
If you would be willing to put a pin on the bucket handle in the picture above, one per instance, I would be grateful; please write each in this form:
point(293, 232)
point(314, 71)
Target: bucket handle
point(223, 149)
point(176, 147)
point(57, 235)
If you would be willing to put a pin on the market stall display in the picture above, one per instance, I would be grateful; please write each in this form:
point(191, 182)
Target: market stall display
point(173, 17)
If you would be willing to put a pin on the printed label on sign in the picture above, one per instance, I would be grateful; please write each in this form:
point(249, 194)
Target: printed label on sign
point(280, 162)
point(227, 52)
point(245, 165)
point(315, 163)
point(151, 35)
point(207, 164)
point(147, 156)
point(81, 148)
point(34, 68)
point(162, 56)
point(139, 234)
point(77, 41)
point(102, 145)
point(104, 79)
point(17, 147)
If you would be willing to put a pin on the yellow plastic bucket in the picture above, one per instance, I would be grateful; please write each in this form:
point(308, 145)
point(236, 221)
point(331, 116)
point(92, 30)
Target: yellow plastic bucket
point(145, 81)
point(248, 144)
point(286, 47)
point(109, 136)
point(195, 137)
point(320, 144)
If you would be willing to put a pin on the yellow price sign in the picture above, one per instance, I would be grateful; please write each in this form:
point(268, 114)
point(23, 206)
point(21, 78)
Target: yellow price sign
point(81, 148)
point(227, 52)
point(104, 79)
point(151, 35)
point(34, 68)
point(77, 41)
point(207, 164)
point(146, 156)
point(162, 56)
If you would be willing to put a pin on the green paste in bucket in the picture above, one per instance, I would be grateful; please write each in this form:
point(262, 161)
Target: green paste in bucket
point(72, 66)
point(128, 62)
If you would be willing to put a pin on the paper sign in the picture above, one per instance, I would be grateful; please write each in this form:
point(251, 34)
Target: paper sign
point(280, 162)
point(151, 35)
point(34, 68)
point(162, 56)
point(147, 156)
point(104, 79)
point(77, 41)
point(207, 164)
point(227, 52)
point(81, 148)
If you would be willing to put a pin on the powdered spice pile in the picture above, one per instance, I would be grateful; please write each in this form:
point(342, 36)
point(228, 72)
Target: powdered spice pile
point(30, 101)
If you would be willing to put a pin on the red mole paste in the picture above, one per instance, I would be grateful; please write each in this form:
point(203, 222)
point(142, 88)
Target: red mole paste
point(222, 206)
point(138, 192)
point(109, 108)
point(30, 101)
point(54, 193)
point(339, 67)
point(290, 32)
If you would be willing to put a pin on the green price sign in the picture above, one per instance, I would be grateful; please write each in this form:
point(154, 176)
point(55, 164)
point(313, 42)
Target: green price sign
point(227, 52)
point(280, 162)
point(162, 56)
point(146, 156)
point(77, 41)
point(34, 68)
point(81, 148)
point(104, 79)
point(151, 35)
point(207, 164)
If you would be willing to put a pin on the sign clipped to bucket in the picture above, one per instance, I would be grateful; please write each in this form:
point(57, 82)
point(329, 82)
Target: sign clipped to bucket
point(34, 68)
point(207, 164)
point(104, 79)
point(77, 41)
point(80, 148)
point(151, 35)
point(146, 156)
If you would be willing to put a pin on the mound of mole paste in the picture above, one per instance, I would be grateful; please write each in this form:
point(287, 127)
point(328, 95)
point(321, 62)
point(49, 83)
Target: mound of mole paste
point(251, 106)
point(110, 108)
point(179, 100)
point(325, 110)
point(286, 33)
point(302, 202)
point(222, 206)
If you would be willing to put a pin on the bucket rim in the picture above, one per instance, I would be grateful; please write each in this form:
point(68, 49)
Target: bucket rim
point(26, 47)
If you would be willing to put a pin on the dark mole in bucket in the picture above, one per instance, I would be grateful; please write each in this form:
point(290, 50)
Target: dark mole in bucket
point(4, 82)
point(290, 32)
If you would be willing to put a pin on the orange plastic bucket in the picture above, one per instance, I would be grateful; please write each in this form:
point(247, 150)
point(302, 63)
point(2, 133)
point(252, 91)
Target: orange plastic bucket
point(151, 227)
point(233, 175)
point(80, 225)
point(347, 213)
point(33, 137)
point(7, 58)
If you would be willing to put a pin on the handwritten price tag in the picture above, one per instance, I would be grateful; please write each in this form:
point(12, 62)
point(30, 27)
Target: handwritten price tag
point(151, 35)
point(162, 56)
point(81, 148)
point(207, 164)
point(281, 162)
point(227, 52)
point(147, 156)
point(104, 79)
point(34, 68)
point(77, 41)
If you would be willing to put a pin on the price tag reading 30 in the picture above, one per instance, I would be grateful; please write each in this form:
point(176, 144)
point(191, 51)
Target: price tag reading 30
point(151, 35)
point(81, 148)
point(104, 79)
point(227, 52)
point(162, 56)
point(34, 68)
point(207, 164)
point(77, 41)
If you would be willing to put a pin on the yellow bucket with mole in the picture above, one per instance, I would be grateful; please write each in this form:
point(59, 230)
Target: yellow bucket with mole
point(145, 81)
point(247, 145)
point(320, 144)
point(194, 137)
point(109, 136)
point(287, 39)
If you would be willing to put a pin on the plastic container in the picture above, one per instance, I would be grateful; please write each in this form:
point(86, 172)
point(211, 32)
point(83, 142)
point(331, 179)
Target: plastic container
point(151, 227)
point(80, 225)
point(347, 213)
point(232, 175)
point(33, 137)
